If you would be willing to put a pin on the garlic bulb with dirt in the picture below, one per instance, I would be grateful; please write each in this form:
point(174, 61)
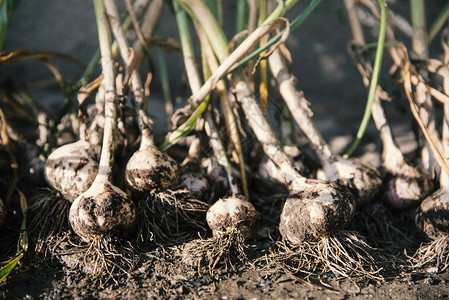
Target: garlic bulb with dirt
point(406, 186)
point(102, 210)
point(317, 209)
point(149, 169)
point(432, 216)
point(329, 205)
point(71, 169)
point(233, 212)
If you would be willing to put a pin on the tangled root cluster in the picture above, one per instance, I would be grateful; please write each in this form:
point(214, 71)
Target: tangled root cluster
point(170, 216)
point(433, 255)
point(344, 254)
point(377, 223)
point(102, 260)
point(49, 221)
point(226, 250)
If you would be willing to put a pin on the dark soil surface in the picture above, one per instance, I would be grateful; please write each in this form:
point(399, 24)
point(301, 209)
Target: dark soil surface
point(158, 279)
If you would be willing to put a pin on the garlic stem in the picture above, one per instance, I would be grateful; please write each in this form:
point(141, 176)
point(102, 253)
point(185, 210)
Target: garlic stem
point(391, 154)
point(107, 64)
point(444, 177)
point(264, 133)
point(242, 89)
point(195, 86)
point(228, 114)
point(220, 153)
point(136, 83)
point(150, 20)
point(298, 106)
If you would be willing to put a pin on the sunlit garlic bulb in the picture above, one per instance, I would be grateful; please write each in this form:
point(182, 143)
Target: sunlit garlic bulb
point(234, 212)
point(71, 169)
point(149, 168)
point(102, 209)
point(317, 209)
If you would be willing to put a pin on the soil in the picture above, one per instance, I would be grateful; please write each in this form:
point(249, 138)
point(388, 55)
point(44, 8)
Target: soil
point(320, 60)
point(157, 278)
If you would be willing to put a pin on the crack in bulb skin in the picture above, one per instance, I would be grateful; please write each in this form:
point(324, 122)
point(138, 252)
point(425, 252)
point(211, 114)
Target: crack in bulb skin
point(71, 169)
point(315, 209)
point(149, 169)
point(103, 209)
point(233, 212)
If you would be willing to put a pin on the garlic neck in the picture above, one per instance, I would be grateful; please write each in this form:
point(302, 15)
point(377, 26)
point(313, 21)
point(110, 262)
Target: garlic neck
point(147, 139)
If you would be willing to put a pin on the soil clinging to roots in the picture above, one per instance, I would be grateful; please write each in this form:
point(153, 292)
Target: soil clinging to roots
point(102, 260)
point(225, 250)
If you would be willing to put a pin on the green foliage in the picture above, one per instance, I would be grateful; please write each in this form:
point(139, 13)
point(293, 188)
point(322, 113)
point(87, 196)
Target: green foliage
point(374, 80)
point(22, 244)
point(7, 8)
point(4, 272)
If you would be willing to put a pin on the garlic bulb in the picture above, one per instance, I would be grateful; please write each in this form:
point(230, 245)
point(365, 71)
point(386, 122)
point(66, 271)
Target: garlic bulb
point(234, 212)
point(71, 169)
point(102, 209)
point(406, 186)
point(317, 209)
point(149, 169)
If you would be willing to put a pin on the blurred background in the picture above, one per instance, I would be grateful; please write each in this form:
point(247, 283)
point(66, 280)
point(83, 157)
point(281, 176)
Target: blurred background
point(321, 62)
